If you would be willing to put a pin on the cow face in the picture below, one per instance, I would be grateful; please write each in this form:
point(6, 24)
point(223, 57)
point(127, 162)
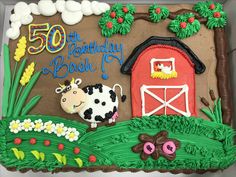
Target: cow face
point(73, 98)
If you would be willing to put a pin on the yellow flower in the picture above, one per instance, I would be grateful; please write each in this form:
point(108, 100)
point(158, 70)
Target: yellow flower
point(27, 74)
point(21, 48)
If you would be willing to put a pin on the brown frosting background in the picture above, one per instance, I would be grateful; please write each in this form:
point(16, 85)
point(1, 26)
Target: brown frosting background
point(202, 44)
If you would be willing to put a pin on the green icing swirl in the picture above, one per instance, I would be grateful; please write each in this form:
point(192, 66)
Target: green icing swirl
point(131, 8)
point(217, 22)
point(155, 17)
point(122, 27)
point(189, 30)
point(203, 8)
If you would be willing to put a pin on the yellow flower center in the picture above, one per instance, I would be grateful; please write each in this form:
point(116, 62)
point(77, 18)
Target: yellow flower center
point(38, 125)
point(59, 130)
point(49, 127)
point(26, 125)
point(71, 135)
point(15, 126)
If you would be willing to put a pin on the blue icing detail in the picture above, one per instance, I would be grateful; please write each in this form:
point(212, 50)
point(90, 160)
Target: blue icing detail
point(61, 69)
point(105, 76)
point(110, 51)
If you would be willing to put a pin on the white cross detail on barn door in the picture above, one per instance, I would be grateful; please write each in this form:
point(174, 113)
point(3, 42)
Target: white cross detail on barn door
point(165, 104)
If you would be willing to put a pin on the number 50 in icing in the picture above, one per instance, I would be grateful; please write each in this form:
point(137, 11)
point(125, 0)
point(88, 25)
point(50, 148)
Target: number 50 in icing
point(49, 40)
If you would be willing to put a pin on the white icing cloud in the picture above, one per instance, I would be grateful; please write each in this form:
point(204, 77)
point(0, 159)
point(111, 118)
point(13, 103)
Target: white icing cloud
point(71, 18)
point(71, 12)
point(34, 8)
point(47, 8)
point(60, 5)
point(86, 8)
point(73, 6)
point(13, 33)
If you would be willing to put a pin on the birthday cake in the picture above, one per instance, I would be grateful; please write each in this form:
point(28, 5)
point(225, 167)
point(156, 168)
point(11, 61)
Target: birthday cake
point(126, 87)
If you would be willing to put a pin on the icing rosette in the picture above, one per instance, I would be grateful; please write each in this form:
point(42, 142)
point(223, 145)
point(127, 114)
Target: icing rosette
point(27, 125)
point(38, 125)
point(185, 25)
point(72, 134)
point(158, 13)
point(60, 130)
point(15, 126)
point(49, 127)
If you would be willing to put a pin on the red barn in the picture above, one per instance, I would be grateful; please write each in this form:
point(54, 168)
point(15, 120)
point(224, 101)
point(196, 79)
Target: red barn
point(163, 77)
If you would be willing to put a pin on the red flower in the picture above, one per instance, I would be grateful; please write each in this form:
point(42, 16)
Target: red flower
point(156, 146)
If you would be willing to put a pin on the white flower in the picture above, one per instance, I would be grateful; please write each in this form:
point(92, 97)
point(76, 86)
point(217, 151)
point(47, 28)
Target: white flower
point(15, 126)
point(72, 134)
point(49, 127)
point(27, 125)
point(38, 125)
point(60, 130)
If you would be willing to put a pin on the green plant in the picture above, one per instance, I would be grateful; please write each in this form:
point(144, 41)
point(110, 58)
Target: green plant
point(20, 155)
point(60, 158)
point(158, 13)
point(214, 114)
point(185, 25)
point(79, 162)
point(38, 155)
point(117, 20)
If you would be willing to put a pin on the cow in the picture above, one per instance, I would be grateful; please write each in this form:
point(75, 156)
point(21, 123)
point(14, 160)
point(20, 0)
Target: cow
point(94, 103)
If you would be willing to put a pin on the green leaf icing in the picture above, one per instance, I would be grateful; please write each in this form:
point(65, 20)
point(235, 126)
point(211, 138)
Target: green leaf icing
point(7, 79)
point(15, 87)
point(213, 11)
point(158, 16)
point(30, 104)
point(121, 22)
point(204, 10)
point(204, 144)
point(217, 22)
point(25, 94)
point(189, 29)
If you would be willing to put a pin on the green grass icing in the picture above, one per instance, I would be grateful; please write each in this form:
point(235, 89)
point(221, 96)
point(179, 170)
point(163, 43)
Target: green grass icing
point(203, 144)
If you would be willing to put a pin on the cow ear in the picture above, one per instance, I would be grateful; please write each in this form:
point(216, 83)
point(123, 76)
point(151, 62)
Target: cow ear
point(78, 81)
point(58, 90)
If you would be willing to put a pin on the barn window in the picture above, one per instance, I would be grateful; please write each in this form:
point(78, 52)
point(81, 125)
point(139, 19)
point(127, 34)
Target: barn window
point(163, 68)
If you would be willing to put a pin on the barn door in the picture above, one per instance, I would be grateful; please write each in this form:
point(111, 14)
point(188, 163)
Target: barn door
point(165, 100)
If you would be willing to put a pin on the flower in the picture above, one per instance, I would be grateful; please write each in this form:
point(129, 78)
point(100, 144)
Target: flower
point(156, 146)
point(60, 130)
point(27, 74)
point(72, 134)
point(15, 126)
point(27, 125)
point(38, 125)
point(49, 127)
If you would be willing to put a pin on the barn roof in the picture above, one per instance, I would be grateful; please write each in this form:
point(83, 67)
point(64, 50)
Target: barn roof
point(126, 68)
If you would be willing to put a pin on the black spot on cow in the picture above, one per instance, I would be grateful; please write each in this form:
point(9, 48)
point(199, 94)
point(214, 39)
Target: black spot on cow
point(99, 87)
point(103, 103)
point(112, 95)
point(96, 101)
point(99, 118)
point(108, 115)
point(123, 98)
point(114, 109)
point(85, 90)
point(88, 113)
point(90, 90)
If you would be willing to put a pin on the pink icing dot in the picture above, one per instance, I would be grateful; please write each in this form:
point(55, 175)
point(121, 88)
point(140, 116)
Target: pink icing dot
point(148, 148)
point(169, 147)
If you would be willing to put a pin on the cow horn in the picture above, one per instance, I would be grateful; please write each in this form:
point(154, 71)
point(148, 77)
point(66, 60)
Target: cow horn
point(72, 81)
